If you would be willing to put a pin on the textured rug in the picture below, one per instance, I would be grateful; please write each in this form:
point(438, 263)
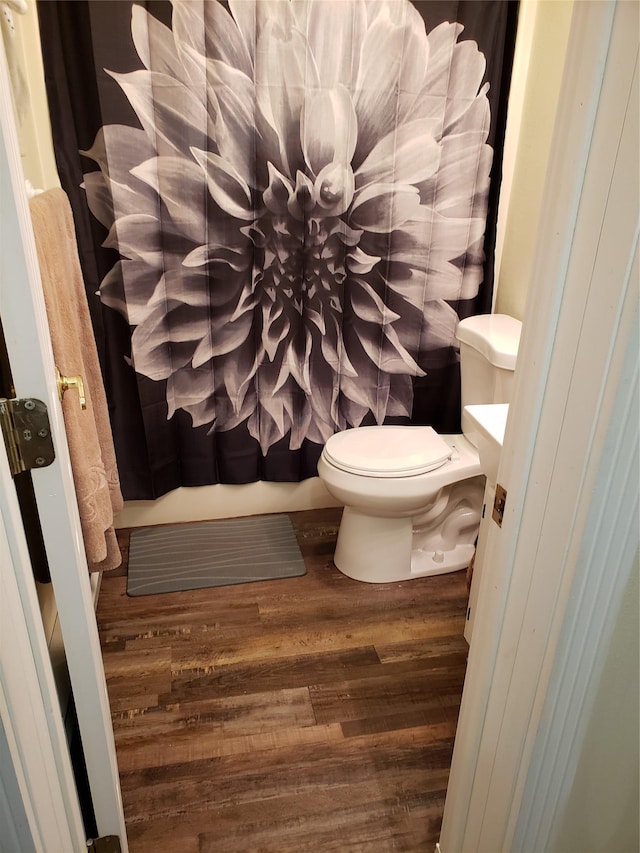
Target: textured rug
point(212, 553)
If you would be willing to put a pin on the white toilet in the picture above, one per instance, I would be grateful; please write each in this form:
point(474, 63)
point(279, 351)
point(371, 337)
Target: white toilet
point(413, 498)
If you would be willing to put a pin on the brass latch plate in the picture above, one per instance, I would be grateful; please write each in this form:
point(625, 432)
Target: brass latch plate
point(27, 434)
point(499, 504)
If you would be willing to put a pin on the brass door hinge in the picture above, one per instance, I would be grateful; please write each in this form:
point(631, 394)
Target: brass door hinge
point(27, 434)
point(104, 844)
point(498, 504)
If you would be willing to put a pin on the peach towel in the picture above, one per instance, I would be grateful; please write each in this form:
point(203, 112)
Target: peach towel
point(93, 459)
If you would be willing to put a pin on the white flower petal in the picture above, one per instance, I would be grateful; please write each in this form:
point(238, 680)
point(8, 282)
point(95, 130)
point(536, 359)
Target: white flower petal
point(216, 254)
point(361, 263)
point(155, 44)
point(188, 388)
point(369, 306)
point(229, 336)
point(408, 155)
point(280, 190)
point(179, 184)
point(375, 98)
point(209, 29)
point(381, 208)
point(300, 428)
point(226, 187)
point(468, 66)
point(328, 128)
point(358, 399)
point(283, 74)
point(415, 59)
point(137, 236)
point(99, 198)
point(116, 147)
point(333, 46)
point(439, 329)
point(390, 355)
point(142, 285)
point(166, 108)
point(241, 134)
point(245, 13)
point(442, 45)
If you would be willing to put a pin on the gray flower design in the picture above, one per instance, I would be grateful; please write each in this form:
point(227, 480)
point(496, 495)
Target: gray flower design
point(304, 197)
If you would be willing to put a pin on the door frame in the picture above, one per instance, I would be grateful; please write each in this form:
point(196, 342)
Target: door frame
point(40, 767)
point(563, 439)
point(33, 370)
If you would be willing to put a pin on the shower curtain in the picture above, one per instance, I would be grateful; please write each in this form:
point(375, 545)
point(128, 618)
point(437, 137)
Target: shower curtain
point(283, 209)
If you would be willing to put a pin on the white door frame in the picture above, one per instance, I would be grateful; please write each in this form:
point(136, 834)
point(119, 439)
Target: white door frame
point(29, 706)
point(562, 433)
point(28, 343)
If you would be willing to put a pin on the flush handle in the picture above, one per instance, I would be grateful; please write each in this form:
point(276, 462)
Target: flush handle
point(66, 382)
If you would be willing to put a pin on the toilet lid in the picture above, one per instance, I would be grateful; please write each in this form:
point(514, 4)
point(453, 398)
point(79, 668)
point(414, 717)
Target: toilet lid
point(387, 451)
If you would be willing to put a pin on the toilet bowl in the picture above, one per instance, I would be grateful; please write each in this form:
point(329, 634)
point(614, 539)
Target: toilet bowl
point(413, 498)
point(408, 522)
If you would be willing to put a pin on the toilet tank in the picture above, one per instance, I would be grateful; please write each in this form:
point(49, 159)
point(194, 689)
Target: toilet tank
point(488, 352)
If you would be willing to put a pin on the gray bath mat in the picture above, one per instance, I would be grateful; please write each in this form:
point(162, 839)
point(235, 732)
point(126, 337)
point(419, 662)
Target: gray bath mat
point(212, 553)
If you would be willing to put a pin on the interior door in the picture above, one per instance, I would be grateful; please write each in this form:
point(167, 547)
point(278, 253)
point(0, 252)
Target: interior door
point(29, 348)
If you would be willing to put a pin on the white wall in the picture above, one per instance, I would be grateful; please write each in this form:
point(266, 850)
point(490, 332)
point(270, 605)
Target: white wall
point(541, 46)
point(34, 130)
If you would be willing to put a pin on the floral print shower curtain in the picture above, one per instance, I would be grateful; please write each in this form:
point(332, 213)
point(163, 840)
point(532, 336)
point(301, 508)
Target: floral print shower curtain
point(282, 207)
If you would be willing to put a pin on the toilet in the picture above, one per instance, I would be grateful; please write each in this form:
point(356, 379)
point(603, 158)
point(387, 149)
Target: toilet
point(413, 498)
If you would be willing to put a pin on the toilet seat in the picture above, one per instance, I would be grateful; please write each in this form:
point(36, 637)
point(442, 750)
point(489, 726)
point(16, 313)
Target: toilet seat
point(387, 451)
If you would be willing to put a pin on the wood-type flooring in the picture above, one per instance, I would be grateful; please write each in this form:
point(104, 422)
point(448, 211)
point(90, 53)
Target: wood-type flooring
point(312, 713)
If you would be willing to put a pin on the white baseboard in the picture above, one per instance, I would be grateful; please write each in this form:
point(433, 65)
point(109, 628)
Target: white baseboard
point(204, 503)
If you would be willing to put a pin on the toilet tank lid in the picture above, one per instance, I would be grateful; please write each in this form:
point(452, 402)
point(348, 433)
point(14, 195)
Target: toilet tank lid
point(495, 336)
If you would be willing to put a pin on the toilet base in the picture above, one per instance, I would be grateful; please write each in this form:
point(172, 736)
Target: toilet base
point(372, 549)
point(388, 554)
point(427, 563)
point(377, 548)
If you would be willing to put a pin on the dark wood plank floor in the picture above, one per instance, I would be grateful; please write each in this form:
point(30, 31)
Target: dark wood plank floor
point(314, 713)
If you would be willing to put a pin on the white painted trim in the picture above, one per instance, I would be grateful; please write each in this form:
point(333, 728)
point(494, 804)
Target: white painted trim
point(28, 702)
point(608, 551)
point(16, 817)
point(224, 501)
point(575, 335)
point(27, 336)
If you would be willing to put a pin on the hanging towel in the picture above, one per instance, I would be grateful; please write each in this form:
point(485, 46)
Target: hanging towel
point(89, 435)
